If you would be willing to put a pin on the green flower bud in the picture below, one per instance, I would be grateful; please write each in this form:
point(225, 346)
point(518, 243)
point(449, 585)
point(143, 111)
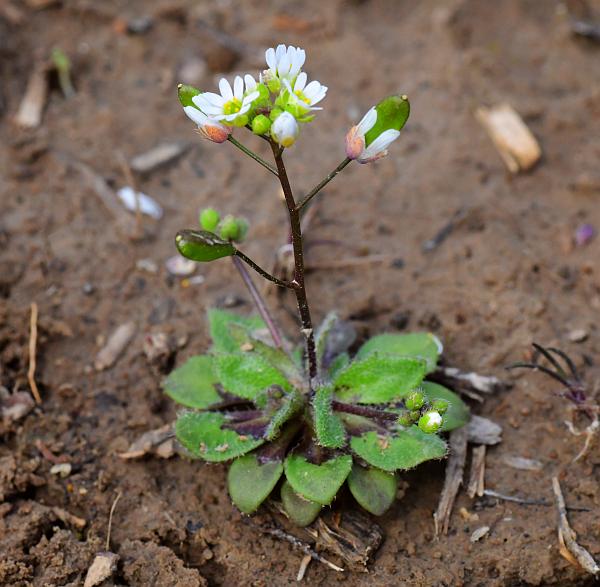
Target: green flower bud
point(392, 114)
point(415, 400)
point(440, 405)
point(229, 229)
point(242, 229)
point(405, 419)
point(261, 124)
point(274, 85)
point(209, 219)
point(202, 245)
point(186, 93)
point(430, 422)
point(414, 415)
point(275, 113)
point(240, 121)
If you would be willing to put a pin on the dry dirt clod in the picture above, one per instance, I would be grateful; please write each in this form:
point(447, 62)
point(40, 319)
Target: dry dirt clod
point(104, 565)
point(515, 143)
point(115, 346)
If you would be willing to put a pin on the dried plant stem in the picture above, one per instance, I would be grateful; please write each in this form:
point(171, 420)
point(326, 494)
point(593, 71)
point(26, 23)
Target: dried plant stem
point(32, 351)
point(110, 519)
point(259, 302)
point(298, 282)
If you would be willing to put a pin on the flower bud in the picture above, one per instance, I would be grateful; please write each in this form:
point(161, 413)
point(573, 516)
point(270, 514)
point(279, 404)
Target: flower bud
point(202, 246)
point(229, 229)
point(440, 405)
point(414, 400)
point(405, 419)
point(430, 422)
point(210, 129)
point(261, 124)
point(209, 219)
point(285, 129)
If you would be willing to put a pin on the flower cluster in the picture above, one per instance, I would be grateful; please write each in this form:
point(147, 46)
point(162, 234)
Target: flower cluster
point(280, 101)
point(274, 106)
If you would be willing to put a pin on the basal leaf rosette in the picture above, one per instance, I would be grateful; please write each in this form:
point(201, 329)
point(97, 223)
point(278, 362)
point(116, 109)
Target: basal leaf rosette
point(370, 418)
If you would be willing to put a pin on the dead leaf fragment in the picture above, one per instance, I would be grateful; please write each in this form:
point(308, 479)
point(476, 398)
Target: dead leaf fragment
point(159, 442)
point(104, 565)
point(115, 346)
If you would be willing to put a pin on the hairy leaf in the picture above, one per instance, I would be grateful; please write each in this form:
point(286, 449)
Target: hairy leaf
point(338, 364)
point(300, 510)
point(458, 413)
point(247, 375)
point(373, 489)
point(319, 483)
point(250, 482)
point(420, 345)
point(192, 384)
point(379, 378)
point(333, 337)
point(290, 405)
point(406, 449)
point(219, 322)
point(202, 435)
point(328, 426)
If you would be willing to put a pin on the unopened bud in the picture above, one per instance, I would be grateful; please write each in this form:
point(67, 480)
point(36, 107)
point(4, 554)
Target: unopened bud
point(209, 219)
point(285, 129)
point(440, 405)
point(414, 400)
point(430, 422)
point(261, 124)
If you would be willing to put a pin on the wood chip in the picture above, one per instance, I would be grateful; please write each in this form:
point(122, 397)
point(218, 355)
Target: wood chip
point(150, 442)
point(115, 346)
point(567, 539)
point(158, 156)
point(522, 463)
point(32, 105)
point(477, 477)
point(104, 565)
point(454, 476)
point(515, 143)
point(483, 431)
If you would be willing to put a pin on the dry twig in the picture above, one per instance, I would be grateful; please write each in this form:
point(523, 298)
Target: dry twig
point(477, 478)
point(110, 519)
point(32, 351)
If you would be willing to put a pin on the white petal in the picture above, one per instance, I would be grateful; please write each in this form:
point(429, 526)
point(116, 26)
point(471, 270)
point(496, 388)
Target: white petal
point(320, 95)
point(280, 52)
point(205, 103)
point(250, 82)
point(211, 98)
point(283, 67)
point(298, 62)
point(368, 121)
point(288, 86)
point(270, 58)
point(381, 143)
point(195, 115)
point(300, 82)
point(225, 89)
point(220, 117)
point(238, 87)
point(250, 98)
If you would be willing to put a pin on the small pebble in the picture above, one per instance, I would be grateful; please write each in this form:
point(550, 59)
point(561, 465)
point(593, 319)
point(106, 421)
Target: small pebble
point(88, 288)
point(479, 533)
point(578, 335)
point(147, 205)
point(180, 266)
point(147, 265)
point(61, 469)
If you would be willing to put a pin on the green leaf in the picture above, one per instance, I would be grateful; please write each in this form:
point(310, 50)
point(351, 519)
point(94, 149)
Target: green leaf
point(392, 113)
point(374, 489)
point(201, 434)
point(328, 426)
point(276, 357)
point(247, 375)
point(185, 94)
point(300, 510)
point(339, 363)
point(458, 413)
point(202, 246)
point(379, 378)
point(319, 483)
point(406, 449)
point(291, 404)
point(219, 324)
point(192, 384)
point(419, 345)
point(251, 482)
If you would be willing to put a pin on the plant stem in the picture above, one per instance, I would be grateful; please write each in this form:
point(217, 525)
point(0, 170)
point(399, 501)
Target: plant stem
point(323, 183)
point(261, 271)
point(365, 411)
point(259, 302)
point(298, 283)
point(253, 155)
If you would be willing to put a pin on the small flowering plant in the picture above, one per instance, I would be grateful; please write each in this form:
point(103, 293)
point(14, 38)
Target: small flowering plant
point(301, 420)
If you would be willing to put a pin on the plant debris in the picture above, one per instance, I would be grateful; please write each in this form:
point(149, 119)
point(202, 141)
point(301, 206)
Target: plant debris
point(103, 567)
point(159, 442)
point(115, 346)
point(158, 157)
point(133, 200)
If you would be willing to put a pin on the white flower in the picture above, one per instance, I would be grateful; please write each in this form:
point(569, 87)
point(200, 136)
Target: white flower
point(284, 62)
point(306, 95)
point(231, 103)
point(285, 129)
point(208, 127)
point(355, 140)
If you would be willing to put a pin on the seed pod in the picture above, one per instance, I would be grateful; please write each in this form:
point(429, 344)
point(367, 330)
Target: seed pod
point(202, 246)
point(186, 93)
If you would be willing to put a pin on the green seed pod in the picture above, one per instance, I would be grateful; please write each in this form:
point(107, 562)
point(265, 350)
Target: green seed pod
point(430, 422)
point(261, 124)
point(392, 113)
point(440, 405)
point(202, 245)
point(414, 400)
point(209, 219)
point(186, 93)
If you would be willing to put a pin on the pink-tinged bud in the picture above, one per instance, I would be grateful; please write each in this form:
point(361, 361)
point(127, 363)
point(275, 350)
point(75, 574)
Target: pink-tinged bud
point(210, 129)
point(355, 143)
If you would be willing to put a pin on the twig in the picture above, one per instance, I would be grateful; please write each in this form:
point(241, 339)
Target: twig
point(110, 519)
point(253, 155)
point(454, 476)
point(477, 479)
point(569, 548)
point(444, 232)
point(262, 272)
point(303, 566)
point(259, 302)
point(300, 545)
point(322, 184)
point(32, 351)
point(528, 500)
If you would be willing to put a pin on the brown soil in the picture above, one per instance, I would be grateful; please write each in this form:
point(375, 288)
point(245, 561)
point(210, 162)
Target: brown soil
point(506, 276)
